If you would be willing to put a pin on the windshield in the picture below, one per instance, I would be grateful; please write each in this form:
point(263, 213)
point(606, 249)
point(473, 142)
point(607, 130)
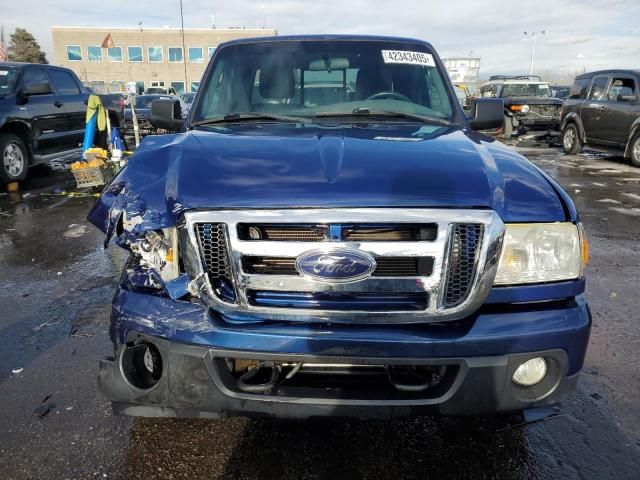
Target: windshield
point(526, 90)
point(7, 79)
point(309, 78)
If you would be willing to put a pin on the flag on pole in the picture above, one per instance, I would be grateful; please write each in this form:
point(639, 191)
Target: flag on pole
point(108, 42)
point(3, 48)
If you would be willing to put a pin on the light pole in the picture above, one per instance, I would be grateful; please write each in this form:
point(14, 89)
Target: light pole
point(533, 46)
point(184, 50)
point(264, 16)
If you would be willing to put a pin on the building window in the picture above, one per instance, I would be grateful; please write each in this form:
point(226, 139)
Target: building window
point(178, 86)
point(114, 54)
point(195, 54)
point(175, 54)
point(134, 54)
point(195, 86)
point(94, 54)
point(74, 53)
point(155, 54)
point(212, 50)
point(157, 83)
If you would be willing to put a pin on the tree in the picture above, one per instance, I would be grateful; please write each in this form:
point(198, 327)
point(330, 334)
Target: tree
point(24, 48)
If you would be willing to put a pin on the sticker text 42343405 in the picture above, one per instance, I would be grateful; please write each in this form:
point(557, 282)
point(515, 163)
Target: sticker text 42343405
point(410, 58)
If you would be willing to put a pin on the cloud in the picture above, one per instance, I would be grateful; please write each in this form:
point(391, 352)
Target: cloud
point(569, 40)
point(493, 29)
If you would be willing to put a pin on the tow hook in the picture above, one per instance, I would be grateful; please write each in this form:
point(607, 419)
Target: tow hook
point(414, 378)
point(259, 373)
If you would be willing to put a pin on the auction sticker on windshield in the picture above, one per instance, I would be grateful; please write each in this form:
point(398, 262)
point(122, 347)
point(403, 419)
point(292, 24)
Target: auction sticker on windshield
point(410, 58)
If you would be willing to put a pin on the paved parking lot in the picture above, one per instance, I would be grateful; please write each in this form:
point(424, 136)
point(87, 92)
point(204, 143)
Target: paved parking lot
point(55, 287)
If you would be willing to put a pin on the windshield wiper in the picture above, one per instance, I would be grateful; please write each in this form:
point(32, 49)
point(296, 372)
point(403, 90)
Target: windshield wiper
point(372, 112)
point(250, 116)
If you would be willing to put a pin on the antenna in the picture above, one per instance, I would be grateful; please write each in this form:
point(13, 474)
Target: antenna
point(213, 22)
point(184, 62)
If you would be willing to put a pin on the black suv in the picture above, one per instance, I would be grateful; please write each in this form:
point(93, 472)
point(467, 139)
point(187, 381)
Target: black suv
point(603, 111)
point(42, 116)
point(528, 103)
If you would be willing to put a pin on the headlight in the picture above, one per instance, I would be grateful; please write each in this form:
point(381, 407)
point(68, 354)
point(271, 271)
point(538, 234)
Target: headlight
point(158, 250)
point(519, 108)
point(541, 252)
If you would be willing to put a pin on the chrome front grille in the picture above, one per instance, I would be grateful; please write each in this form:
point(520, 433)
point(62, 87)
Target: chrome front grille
point(442, 273)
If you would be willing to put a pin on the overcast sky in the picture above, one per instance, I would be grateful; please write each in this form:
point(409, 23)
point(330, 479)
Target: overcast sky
point(581, 34)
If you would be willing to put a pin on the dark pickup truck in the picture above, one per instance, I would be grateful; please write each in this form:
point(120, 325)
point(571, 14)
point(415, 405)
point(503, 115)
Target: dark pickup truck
point(42, 116)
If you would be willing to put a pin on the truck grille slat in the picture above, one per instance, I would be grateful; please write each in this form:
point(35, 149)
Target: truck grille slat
point(215, 257)
point(340, 300)
point(386, 266)
point(464, 247)
point(350, 233)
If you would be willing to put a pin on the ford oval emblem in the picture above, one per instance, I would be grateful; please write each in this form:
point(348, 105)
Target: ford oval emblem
point(339, 265)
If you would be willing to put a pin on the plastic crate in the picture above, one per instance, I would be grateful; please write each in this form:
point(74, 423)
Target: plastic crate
point(93, 177)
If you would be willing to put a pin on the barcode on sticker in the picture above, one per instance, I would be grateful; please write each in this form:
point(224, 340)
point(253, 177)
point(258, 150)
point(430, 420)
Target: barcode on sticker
point(409, 58)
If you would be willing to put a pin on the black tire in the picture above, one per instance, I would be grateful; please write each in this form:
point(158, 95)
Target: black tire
point(634, 150)
point(571, 143)
point(507, 128)
point(14, 159)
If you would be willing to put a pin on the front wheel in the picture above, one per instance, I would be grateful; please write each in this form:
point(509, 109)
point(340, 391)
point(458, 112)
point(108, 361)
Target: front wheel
point(13, 161)
point(635, 150)
point(507, 128)
point(571, 143)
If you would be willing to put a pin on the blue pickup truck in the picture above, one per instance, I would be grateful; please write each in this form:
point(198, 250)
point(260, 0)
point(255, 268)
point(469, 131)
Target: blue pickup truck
point(328, 234)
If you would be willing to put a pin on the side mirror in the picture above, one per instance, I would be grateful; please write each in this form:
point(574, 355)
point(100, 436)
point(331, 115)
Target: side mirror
point(166, 114)
point(486, 113)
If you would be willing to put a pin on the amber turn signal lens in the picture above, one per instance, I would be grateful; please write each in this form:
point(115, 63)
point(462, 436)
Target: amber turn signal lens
point(585, 250)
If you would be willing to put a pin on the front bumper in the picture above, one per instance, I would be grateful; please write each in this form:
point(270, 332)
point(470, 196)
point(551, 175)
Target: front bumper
point(535, 122)
point(485, 351)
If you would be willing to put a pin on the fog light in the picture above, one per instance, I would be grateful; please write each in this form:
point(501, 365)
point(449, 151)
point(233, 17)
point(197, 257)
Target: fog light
point(254, 233)
point(142, 365)
point(530, 372)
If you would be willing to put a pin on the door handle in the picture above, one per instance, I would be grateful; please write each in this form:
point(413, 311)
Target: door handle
point(58, 103)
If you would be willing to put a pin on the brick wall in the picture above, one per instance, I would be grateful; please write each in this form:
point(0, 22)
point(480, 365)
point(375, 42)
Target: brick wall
point(109, 71)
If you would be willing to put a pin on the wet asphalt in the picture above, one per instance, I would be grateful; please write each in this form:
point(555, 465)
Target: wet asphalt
point(56, 285)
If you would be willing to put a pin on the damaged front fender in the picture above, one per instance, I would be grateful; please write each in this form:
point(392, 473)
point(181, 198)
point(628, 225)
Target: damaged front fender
point(145, 191)
point(138, 211)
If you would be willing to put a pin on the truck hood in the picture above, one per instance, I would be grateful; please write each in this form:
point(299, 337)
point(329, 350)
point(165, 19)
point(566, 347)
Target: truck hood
point(280, 166)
